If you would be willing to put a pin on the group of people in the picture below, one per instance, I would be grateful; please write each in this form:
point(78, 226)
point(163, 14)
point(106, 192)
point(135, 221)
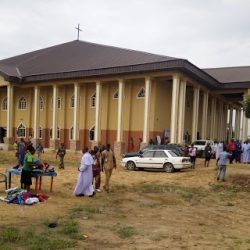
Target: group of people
point(92, 163)
point(22, 147)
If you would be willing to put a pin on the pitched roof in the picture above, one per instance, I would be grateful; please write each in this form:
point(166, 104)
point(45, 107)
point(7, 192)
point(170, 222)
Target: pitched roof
point(75, 56)
point(79, 59)
point(230, 74)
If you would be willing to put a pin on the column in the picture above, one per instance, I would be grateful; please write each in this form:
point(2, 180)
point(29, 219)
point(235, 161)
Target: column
point(237, 123)
point(174, 109)
point(245, 127)
point(181, 113)
point(195, 113)
point(213, 103)
point(98, 114)
point(204, 116)
point(230, 123)
point(241, 123)
point(145, 138)
point(36, 121)
point(54, 142)
point(9, 139)
point(119, 146)
point(75, 143)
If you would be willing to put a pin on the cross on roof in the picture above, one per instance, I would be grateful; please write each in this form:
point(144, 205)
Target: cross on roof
point(78, 31)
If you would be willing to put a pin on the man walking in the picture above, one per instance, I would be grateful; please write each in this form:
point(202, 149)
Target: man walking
point(108, 163)
point(222, 164)
point(61, 153)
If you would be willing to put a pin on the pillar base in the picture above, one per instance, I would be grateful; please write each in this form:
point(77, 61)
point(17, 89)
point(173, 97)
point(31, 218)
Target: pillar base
point(119, 148)
point(54, 144)
point(8, 143)
point(74, 145)
point(143, 144)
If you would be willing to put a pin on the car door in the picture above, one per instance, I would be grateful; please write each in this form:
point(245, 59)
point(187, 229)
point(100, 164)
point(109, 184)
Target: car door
point(146, 160)
point(160, 158)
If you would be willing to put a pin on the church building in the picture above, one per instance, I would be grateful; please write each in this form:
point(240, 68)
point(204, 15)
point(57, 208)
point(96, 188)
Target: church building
point(82, 93)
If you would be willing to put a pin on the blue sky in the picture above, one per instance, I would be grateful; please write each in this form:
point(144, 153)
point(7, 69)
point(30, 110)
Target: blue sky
point(212, 33)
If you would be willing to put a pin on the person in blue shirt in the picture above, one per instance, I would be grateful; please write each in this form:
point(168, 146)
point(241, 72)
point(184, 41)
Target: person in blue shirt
point(222, 164)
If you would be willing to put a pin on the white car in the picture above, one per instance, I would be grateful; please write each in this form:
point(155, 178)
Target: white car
point(160, 159)
point(201, 144)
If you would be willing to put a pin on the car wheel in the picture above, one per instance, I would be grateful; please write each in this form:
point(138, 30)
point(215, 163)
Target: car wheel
point(130, 165)
point(169, 168)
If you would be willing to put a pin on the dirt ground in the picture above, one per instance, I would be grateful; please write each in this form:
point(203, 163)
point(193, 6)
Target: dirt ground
point(144, 210)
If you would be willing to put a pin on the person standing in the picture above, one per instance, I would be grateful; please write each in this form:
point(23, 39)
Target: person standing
point(28, 163)
point(208, 154)
point(222, 164)
point(84, 184)
point(61, 152)
point(21, 150)
point(108, 163)
point(238, 150)
point(40, 150)
point(192, 154)
point(231, 148)
point(244, 150)
point(96, 168)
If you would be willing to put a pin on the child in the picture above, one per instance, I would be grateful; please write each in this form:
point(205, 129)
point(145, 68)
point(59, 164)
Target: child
point(222, 163)
point(28, 163)
point(61, 153)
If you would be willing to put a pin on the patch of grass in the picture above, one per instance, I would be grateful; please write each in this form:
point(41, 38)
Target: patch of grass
point(186, 193)
point(40, 242)
point(230, 204)
point(10, 234)
point(126, 232)
point(70, 227)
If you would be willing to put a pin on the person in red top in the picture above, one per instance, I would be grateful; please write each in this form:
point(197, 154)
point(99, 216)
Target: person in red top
point(231, 149)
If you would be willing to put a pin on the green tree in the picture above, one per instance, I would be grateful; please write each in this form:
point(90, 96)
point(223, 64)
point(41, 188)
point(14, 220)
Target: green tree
point(246, 107)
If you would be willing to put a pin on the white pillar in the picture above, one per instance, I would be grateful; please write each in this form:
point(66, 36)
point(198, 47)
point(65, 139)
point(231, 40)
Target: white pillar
point(9, 111)
point(230, 123)
point(146, 109)
point(36, 112)
point(212, 125)
point(241, 125)
point(174, 108)
point(237, 123)
point(120, 110)
point(55, 112)
point(76, 112)
point(98, 112)
point(181, 113)
point(195, 113)
point(204, 116)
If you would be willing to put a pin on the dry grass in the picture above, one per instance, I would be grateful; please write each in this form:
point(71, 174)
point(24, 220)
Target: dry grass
point(144, 210)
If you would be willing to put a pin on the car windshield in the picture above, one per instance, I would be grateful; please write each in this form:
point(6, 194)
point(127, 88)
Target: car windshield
point(172, 153)
point(202, 143)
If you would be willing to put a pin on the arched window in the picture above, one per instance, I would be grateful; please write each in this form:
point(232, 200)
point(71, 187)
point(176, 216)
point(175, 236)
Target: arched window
point(4, 104)
point(57, 133)
point(40, 132)
point(41, 103)
point(22, 104)
point(72, 102)
point(21, 130)
point(59, 102)
point(141, 93)
point(92, 134)
point(116, 95)
point(71, 133)
point(93, 100)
